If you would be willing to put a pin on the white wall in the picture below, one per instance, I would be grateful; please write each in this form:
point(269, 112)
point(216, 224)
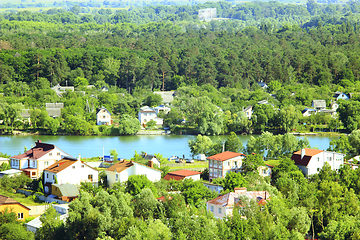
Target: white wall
point(316, 163)
point(194, 177)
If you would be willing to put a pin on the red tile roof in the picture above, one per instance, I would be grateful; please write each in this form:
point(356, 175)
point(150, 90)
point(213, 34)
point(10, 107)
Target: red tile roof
point(309, 153)
point(36, 152)
point(60, 165)
point(120, 166)
point(180, 175)
point(225, 156)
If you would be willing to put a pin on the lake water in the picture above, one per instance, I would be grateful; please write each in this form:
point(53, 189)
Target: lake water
point(91, 146)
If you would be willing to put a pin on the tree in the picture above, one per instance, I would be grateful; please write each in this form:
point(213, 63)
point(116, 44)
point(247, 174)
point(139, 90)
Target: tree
point(10, 113)
point(201, 145)
point(114, 153)
point(252, 162)
point(52, 226)
point(146, 205)
point(80, 82)
point(233, 144)
point(153, 100)
point(354, 141)
point(288, 118)
point(196, 193)
point(233, 180)
point(128, 125)
point(136, 183)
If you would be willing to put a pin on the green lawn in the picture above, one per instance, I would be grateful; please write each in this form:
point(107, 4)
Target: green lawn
point(27, 201)
point(273, 162)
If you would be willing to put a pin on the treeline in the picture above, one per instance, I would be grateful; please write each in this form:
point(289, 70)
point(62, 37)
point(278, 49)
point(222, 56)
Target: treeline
point(270, 14)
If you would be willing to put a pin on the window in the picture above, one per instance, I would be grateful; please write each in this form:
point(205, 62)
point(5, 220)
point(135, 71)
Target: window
point(318, 159)
point(58, 154)
point(235, 164)
point(212, 208)
point(220, 210)
point(264, 172)
point(330, 158)
point(104, 116)
point(33, 173)
point(54, 177)
point(20, 215)
point(116, 177)
point(318, 169)
point(50, 154)
point(46, 163)
point(73, 167)
point(82, 166)
point(90, 177)
point(47, 175)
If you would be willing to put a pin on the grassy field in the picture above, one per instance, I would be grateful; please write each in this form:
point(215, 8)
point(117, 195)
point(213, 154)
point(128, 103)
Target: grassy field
point(27, 201)
point(273, 162)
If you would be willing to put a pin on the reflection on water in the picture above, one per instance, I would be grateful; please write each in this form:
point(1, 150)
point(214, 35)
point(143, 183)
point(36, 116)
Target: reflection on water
point(91, 146)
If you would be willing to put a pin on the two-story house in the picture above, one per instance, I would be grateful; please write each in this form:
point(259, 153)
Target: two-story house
point(222, 163)
point(69, 170)
point(318, 104)
point(34, 161)
point(146, 114)
point(340, 95)
point(310, 161)
point(223, 205)
point(103, 117)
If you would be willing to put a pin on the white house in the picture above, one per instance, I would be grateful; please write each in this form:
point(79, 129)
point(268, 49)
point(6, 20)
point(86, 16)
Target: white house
point(34, 161)
point(183, 174)
point(223, 205)
point(121, 171)
point(71, 171)
point(103, 117)
point(222, 163)
point(146, 114)
point(310, 161)
point(162, 108)
point(152, 158)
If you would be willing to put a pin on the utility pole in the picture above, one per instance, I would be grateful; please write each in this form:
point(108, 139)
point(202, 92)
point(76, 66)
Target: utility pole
point(223, 150)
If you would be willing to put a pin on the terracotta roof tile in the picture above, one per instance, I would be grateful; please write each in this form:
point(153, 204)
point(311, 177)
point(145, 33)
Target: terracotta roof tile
point(180, 175)
point(36, 152)
point(225, 156)
point(60, 165)
point(120, 166)
point(309, 153)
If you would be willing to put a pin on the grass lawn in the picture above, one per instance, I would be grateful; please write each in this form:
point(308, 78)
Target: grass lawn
point(273, 162)
point(27, 201)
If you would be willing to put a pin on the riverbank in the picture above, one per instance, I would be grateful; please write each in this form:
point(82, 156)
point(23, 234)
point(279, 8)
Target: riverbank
point(332, 134)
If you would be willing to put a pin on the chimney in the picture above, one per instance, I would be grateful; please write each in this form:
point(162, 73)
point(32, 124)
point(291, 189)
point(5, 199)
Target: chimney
point(39, 141)
point(79, 157)
point(241, 190)
point(302, 153)
point(151, 164)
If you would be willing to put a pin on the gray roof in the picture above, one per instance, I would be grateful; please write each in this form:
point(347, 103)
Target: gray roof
point(167, 96)
point(247, 108)
point(319, 103)
point(103, 108)
point(68, 190)
point(54, 105)
point(54, 112)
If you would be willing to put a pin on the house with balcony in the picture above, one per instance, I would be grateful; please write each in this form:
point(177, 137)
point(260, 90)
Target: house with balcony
point(146, 114)
point(34, 161)
point(103, 117)
point(311, 161)
point(223, 205)
point(222, 163)
point(69, 171)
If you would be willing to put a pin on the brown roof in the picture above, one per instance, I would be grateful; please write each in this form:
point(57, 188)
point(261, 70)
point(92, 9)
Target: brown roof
point(180, 175)
point(120, 166)
point(6, 200)
point(60, 165)
point(36, 152)
point(225, 156)
point(309, 153)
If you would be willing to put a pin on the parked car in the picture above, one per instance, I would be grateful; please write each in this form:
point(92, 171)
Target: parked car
point(179, 160)
point(190, 161)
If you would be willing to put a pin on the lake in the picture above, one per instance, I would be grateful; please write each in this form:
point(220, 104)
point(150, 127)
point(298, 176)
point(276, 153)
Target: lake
point(91, 146)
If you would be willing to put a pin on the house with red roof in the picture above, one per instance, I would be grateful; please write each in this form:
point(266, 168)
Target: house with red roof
point(69, 171)
point(122, 170)
point(222, 163)
point(310, 161)
point(223, 205)
point(183, 174)
point(34, 161)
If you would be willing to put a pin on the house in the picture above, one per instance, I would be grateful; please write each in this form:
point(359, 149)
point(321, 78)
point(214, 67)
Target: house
point(152, 158)
point(66, 192)
point(340, 95)
point(61, 209)
point(121, 171)
point(25, 114)
point(4, 160)
point(318, 104)
point(34, 161)
point(214, 187)
point(265, 171)
point(146, 114)
point(222, 163)
point(103, 117)
point(248, 111)
point(69, 170)
point(167, 96)
point(262, 84)
point(54, 109)
point(60, 90)
point(308, 112)
point(183, 174)
point(328, 111)
point(263, 102)
point(10, 173)
point(334, 106)
point(104, 89)
point(162, 108)
point(310, 161)
point(21, 210)
point(223, 205)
